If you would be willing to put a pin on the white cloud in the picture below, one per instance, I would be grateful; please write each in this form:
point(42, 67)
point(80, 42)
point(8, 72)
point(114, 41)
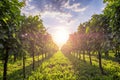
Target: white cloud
point(31, 7)
point(103, 7)
point(28, 13)
point(74, 7)
point(53, 19)
point(54, 14)
point(59, 16)
point(28, 8)
point(80, 9)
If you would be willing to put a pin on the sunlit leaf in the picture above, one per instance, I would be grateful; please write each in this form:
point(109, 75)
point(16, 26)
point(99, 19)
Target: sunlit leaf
point(87, 29)
point(14, 35)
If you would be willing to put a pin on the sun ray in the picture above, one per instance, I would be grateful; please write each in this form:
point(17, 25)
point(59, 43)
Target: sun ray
point(61, 36)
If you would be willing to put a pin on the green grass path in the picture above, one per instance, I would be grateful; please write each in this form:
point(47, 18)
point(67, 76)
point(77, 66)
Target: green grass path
point(58, 67)
point(61, 66)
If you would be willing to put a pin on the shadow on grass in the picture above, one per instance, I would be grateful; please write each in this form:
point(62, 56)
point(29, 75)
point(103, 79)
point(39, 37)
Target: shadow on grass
point(107, 57)
point(85, 71)
point(18, 75)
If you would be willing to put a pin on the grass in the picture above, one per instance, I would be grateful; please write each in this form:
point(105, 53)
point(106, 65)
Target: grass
point(64, 67)
point(58, 67)
point(92, 72)
point(15, 69)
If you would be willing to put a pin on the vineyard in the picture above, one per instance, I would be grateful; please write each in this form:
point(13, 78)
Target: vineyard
point(28, 51)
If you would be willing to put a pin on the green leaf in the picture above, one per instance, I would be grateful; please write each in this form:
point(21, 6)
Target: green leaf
point(87, 29)
point(1, 4)
point(5, 36)
point(5, 20)
point(14, 35)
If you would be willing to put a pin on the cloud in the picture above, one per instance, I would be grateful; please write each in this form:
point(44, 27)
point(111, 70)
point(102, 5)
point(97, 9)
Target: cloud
point(55, 20)
point(80, 10)
point(56, 14)
point(103, 7)
point(57, 17)
point(53, 14)
point(74, 7)
point(68, 6)
point(57, 5)
point(49, 5)
point(62, 13)
point(29, 12)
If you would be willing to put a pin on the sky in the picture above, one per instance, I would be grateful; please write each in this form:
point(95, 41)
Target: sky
point(63, 14)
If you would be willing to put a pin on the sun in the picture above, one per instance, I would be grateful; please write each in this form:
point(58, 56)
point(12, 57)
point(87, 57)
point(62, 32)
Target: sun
point(60, 37)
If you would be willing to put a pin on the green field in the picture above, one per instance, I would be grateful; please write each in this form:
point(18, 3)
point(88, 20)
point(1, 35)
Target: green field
point(58, 67)
point(64, 67)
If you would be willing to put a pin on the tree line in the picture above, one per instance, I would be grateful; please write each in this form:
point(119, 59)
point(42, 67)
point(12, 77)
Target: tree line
point(100, 34)
point(22, 36)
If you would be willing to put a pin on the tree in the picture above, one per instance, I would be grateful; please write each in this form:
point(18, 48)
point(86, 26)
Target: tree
point(98, 33)
point(32, 26)
point(9, 24)
point(112, 11)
